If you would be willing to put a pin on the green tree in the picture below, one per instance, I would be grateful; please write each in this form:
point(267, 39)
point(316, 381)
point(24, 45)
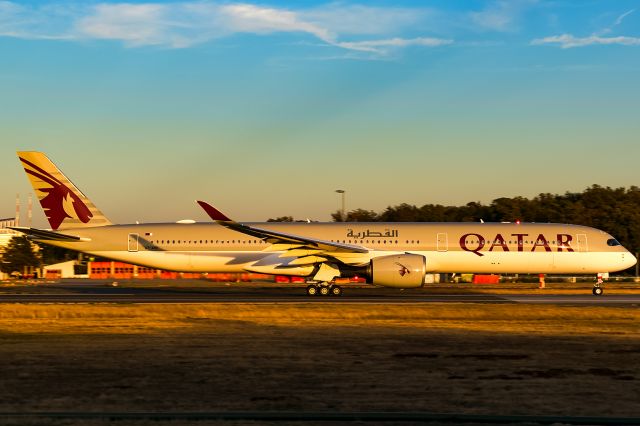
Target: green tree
point(362, 215)
point(18, 255)
point(401, 213)
point(52, 254)
point(288, 219)
point(281, 219)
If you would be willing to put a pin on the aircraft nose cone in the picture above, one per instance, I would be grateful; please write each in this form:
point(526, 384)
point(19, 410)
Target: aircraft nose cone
point(629, 260)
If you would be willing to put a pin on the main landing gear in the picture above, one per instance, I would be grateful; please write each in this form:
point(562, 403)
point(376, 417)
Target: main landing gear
point(324, 289)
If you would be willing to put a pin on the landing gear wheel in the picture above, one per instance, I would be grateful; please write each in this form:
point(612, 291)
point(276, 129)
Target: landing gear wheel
point(312, 290)
point(336, 290)
point(324, 290)
point(597, 291)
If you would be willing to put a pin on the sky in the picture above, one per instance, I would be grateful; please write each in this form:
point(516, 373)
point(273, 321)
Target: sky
point(264, 109)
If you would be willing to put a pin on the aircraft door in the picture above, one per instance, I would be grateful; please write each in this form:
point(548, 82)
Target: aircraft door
point(582, 243)
point(442, 242)
point(133, 242)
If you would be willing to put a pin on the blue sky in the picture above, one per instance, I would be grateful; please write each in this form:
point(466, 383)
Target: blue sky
point(265, 108)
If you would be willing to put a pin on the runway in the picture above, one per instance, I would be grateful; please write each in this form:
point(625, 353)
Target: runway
point(247, 293)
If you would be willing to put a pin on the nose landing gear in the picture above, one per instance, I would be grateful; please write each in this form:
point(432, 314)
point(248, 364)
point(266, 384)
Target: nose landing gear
point(598, 287)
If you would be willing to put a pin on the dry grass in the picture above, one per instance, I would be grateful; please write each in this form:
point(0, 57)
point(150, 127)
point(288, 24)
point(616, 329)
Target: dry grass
point(468, 358)
point(506, 318)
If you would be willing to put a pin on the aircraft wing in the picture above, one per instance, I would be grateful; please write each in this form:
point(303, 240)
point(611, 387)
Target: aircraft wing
point(44, 235)
point(281, 240)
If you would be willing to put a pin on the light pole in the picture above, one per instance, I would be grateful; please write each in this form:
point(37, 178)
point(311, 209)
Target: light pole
point(342, 212)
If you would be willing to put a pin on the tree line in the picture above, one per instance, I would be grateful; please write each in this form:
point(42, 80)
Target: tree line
point(613, 210)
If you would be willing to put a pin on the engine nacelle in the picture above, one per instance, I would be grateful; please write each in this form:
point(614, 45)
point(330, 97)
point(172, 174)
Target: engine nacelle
point(398, 270)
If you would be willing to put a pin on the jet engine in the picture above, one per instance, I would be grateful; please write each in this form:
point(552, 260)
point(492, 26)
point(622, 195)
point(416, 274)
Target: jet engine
point(398, 270)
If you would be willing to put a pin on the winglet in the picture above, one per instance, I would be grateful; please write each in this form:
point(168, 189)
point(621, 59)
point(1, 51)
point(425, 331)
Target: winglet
point(213, 213)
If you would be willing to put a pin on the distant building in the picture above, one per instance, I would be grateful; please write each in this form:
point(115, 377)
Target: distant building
point(66, 269)
point(5, 233)
point(5, 236)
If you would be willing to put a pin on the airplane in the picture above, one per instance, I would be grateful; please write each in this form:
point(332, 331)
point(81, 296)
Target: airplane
point(397, 255)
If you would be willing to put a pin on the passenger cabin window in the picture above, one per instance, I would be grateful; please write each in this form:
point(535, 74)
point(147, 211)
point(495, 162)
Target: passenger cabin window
point(613, 242)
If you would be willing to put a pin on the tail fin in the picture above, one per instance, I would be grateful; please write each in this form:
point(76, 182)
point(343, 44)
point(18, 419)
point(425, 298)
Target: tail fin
point(64, 204)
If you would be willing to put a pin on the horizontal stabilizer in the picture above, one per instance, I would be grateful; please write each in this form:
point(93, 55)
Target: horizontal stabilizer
point(44, 235)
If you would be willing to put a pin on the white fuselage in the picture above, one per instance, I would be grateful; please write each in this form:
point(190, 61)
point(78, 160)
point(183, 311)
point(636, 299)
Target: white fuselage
point(447, 247)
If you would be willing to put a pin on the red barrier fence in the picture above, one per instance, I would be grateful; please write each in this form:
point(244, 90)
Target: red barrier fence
point(486, 279)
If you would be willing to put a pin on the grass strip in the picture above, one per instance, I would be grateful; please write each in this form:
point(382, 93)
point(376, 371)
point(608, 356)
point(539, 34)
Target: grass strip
point(141, 318)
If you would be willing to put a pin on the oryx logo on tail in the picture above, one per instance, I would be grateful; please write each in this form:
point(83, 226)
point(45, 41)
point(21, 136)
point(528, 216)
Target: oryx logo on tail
point(63, 203)
point(57, 200)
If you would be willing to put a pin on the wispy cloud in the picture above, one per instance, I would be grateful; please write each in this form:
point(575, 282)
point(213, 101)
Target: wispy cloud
point(365, 20)
point(263, 20)
point(616, 23)
point(567, 41)
point(181, 25)
point(134, 24)
point(45, 22)
point(500, 15)
point(621, 17)
point(379, 45)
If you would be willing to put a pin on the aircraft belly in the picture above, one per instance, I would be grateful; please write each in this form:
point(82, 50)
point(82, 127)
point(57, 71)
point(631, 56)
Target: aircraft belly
point(589, 262)
point(525, 263)
point(448, 262)
point(224, 261)
point(498, 262)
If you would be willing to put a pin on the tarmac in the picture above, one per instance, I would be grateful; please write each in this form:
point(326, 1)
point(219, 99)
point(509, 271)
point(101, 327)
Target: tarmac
point(89, 291)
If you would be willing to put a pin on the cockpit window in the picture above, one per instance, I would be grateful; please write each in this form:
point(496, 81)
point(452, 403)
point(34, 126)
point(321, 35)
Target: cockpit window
point(613, 242)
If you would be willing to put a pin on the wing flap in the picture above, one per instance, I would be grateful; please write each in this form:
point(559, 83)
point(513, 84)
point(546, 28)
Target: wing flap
point(308, 260)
